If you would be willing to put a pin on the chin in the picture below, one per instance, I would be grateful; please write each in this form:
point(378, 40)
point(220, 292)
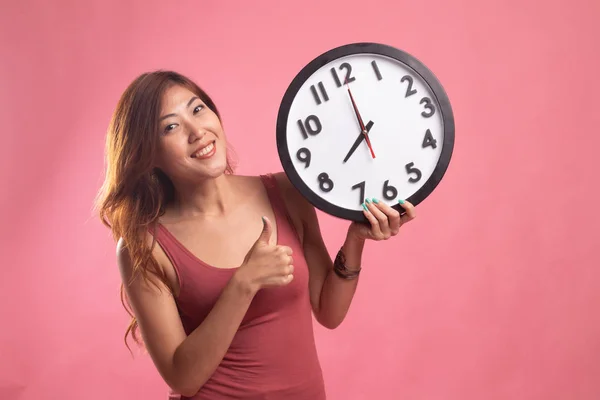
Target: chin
point(213, 173)
point(215, 168)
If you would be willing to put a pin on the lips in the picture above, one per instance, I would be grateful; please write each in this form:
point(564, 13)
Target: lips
point(205, 151)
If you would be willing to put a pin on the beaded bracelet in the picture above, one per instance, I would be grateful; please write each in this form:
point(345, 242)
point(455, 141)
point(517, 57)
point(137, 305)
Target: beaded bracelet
point(339, 267)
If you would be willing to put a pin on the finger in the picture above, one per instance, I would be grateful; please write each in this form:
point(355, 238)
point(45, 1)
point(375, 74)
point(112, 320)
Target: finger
point(375, 230)
point(285, 250)
point(384, 225)
point(284, 259)
point(287, 270)
point(393, 216)
point(281, 280)
point(265, 234)
point(410, 211)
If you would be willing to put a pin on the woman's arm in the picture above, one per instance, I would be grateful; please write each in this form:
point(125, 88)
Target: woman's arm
point(184, 362)
point(331, 295)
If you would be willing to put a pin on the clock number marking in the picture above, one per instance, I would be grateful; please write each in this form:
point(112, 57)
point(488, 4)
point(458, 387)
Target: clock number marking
point(316, 96)
point(348, 69)
point(389, 192)
point(428, 140)
point(361, 196)
point(306, 126)
point(348, 77)
point(336, 78)
point(304, 156)
point(429, 106)
point(411, 169)
point(376, 69)
point(325, 183)
point(409, 90)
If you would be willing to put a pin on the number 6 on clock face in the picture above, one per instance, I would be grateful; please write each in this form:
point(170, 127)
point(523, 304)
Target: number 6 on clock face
point(364, 120)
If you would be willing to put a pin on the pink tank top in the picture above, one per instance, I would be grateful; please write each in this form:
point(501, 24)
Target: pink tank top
point(273, 354)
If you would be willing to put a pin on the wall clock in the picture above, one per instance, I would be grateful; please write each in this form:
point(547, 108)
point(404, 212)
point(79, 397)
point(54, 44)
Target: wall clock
point(364, 120)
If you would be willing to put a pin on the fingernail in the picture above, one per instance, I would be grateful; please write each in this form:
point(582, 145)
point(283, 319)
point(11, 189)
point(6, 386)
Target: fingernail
point(368, 200)
point(375, 201)
point(401, 201)
point(365, 207)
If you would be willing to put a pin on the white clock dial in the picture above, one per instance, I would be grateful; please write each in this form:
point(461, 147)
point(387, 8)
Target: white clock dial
point(318, 130)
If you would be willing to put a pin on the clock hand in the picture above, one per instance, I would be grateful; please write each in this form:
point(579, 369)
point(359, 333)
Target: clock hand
point(366, 135)
point(360, 138)
point(360, 121)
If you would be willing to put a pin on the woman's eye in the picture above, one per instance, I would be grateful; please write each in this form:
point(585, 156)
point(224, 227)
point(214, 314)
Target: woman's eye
point(198, 108)
point(170, 127)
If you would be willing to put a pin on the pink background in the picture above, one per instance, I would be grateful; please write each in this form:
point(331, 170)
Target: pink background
point(493, 292)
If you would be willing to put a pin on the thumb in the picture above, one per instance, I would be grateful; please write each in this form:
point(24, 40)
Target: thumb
point(265, 234)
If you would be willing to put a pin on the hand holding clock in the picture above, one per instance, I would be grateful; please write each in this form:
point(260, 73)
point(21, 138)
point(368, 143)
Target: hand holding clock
point(384, 221)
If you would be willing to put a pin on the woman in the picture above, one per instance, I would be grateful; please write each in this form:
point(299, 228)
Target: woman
point(224, 301)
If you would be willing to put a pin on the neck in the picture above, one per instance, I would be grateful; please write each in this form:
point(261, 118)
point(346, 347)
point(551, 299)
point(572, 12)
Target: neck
point(213, 197)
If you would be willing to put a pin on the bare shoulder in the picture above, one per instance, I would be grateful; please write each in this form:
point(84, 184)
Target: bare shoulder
point(300, 209)
point(123, 254)
point(288, 190)
point(289, 193)
point(125, 260)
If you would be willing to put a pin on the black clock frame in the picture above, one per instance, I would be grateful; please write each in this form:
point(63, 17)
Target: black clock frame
point(360, 48)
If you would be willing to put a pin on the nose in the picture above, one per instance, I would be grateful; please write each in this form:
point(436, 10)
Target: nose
point(196, 132)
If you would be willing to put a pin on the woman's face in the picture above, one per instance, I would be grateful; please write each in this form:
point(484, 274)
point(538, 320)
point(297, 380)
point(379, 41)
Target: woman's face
point(192, 144)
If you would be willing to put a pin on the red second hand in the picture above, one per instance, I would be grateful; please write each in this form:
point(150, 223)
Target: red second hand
point(368, 143)
point(362, 126)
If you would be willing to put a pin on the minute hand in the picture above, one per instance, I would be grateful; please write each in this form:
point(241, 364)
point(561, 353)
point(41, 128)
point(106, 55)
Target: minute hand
point(360, 121)
point(360, 138)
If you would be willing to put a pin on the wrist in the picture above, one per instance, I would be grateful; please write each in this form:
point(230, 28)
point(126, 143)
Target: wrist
point(347, 263)
point(354, 240)
point(353, 248)
point(242, 285)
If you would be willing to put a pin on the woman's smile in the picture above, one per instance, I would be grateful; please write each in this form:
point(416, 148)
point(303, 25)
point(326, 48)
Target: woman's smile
point(205, 151)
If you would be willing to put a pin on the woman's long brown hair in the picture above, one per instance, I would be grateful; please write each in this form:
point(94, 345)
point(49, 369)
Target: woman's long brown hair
point(135, 193)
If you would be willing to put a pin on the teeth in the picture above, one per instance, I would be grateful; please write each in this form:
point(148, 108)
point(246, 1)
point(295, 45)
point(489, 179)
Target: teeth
point(204, 151)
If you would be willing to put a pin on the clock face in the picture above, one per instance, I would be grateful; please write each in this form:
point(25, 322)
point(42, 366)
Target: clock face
point(364, 121)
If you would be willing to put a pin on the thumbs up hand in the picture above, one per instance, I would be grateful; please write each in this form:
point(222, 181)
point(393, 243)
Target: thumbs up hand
point(266, 265)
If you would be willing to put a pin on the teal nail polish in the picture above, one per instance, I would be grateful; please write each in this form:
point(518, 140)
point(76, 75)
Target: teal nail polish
point(375, 201)
point(368, 200)
point(365, 207)
point(401, 201)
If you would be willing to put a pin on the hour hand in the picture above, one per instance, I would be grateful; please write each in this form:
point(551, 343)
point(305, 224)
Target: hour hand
point(360, 138)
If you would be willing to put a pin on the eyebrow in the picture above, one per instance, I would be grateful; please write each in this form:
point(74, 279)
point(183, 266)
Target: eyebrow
point(172, 115)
